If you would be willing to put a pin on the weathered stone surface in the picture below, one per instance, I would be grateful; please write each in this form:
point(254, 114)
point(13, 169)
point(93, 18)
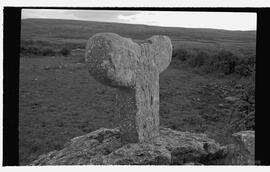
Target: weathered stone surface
point(241, 152)
point(136, 154)
point(112, 59)
point(134, 70)
point(188, 147)
point(247, 140)
point(81, 149)
point(246, 147)
point(104, 146)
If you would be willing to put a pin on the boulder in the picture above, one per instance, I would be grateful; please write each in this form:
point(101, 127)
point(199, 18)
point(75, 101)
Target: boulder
point(104, 147)
point(241, 152)
point(136, 154)
point(246, 145)
point(188, 147)
point(79, 150)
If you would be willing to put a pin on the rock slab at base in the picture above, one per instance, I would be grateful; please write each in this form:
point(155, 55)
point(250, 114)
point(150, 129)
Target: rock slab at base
point(246, 146)
point(104, 147)
point(136, 154)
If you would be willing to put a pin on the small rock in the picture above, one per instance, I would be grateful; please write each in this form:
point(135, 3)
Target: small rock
point(238, 86)
point(231, 99)
point(101, 91)
point(47, 68)
point(221, 105)
point(178, 93)
point(251, 99)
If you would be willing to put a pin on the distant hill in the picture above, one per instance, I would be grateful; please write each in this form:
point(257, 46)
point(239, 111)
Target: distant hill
point(83, 29)
point(64, 31)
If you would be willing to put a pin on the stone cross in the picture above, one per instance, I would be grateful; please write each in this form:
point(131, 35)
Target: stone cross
point(134, 70)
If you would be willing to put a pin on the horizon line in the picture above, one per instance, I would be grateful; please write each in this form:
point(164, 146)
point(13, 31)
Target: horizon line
point(144, 24)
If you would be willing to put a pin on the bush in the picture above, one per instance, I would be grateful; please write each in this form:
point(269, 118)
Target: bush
point(251, 60)
point(181, 54)
point(64, 51)
point(35, 47)
point(243, 70)
point(47, 52)
point(30, 50)
point(249, 93)
point(245, 117)
point(37, 51)
point(246, 66)
point(222, 62)
point(226, 62)
point(198, 60)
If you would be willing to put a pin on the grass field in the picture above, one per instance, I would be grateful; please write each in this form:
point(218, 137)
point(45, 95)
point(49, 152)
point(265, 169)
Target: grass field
point(59, 100)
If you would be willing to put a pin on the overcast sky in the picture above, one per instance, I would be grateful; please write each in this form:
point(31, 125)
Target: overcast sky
point(215, 20)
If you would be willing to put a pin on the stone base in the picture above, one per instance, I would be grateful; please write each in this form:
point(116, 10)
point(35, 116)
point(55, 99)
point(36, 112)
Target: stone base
point(104, 147)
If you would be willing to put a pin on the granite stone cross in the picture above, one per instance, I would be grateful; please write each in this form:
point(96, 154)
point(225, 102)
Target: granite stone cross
point(133, 69)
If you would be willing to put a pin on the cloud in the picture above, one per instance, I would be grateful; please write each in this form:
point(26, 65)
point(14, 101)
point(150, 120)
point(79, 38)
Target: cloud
point(91, 15)
point(217, 20)
point(100, 14)
point(140, 18)
point(47, 13)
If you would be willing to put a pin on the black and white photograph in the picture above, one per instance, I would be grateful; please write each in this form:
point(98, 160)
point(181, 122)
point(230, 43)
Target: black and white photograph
point(112, 87)
point(137, 86)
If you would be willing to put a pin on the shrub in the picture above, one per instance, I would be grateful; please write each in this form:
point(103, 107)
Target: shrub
point(245, 118)
point(48, 52)
point(222, 62)
point(64, 51)
point(209, 66)
point(249, 93)
point(30, 50)
point(199, 59)
point(36, 50)
point(71, 46)
point(243, 70)
point(251, 60)
point(35, 47)
point(246, 66)
point(181, 54)
point(225, 62)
